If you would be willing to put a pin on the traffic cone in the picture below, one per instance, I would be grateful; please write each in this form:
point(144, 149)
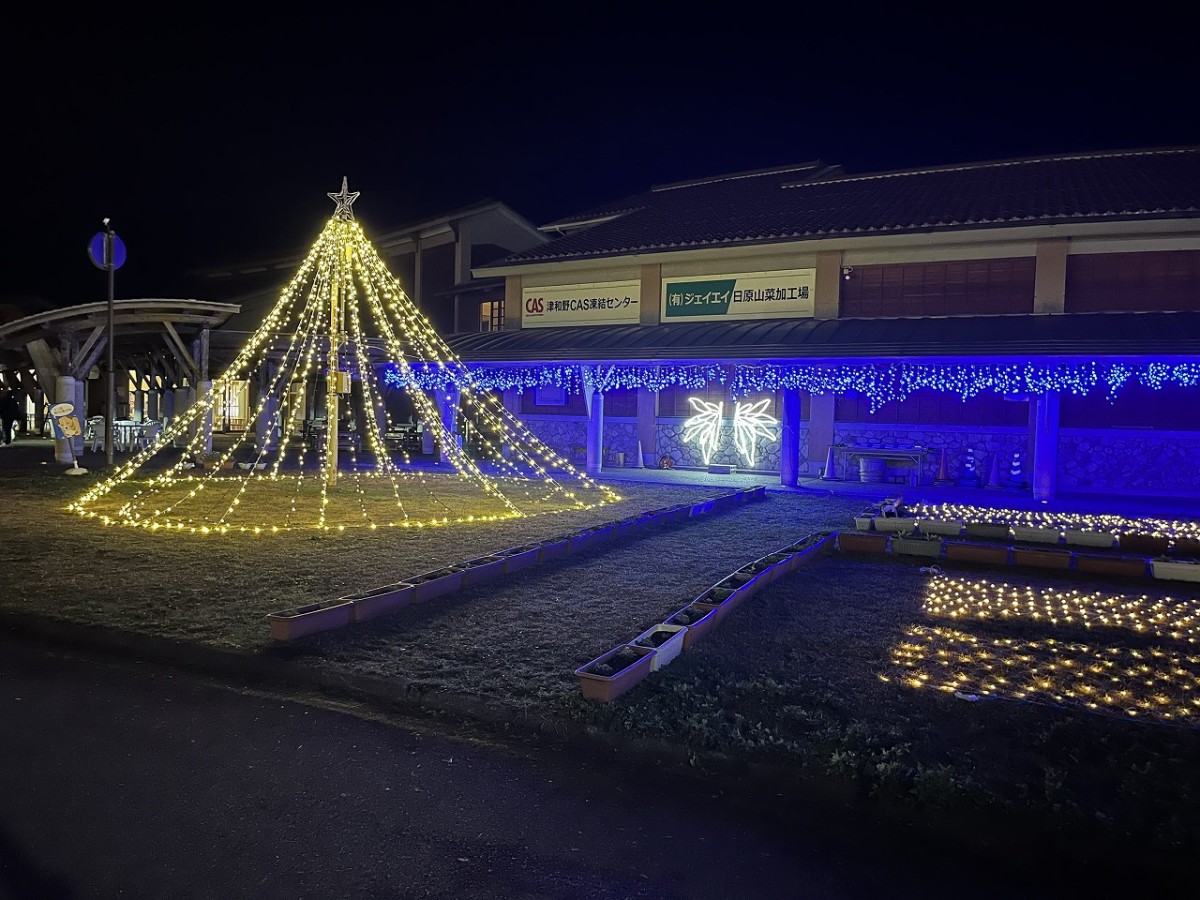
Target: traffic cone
point(943, 475)
point(1016, 477)
point(994, 482)
point(639, 463)
point(970, 477)
point(830, 473)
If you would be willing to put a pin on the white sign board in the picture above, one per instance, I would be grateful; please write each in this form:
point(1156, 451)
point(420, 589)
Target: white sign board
point(754, 295)
point(604, 303)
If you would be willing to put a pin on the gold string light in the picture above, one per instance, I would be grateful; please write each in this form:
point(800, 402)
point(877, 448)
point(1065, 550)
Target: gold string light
point(1155, 684)
point(1062, 521)
point(516, 475)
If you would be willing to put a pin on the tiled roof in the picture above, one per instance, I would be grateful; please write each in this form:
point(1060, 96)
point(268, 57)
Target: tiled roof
point(771, 207)
point(1062, 335)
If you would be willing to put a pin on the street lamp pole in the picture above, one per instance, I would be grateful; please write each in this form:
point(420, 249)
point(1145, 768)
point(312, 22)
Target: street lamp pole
point(110, 404)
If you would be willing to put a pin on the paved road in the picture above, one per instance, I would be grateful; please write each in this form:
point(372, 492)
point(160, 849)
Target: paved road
point(123, 781)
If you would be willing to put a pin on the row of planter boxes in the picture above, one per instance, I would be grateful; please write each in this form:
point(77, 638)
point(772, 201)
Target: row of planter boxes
point(876, 519)
point(301, 621)
point(1004, 554)
point(612, 674)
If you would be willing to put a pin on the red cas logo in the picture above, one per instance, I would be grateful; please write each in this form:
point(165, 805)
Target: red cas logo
point(535, 306)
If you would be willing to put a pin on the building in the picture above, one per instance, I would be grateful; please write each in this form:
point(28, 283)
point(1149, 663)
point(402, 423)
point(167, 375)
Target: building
point(1030, 323)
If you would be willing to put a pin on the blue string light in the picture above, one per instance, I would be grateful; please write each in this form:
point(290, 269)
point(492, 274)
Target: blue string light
point(880, 382)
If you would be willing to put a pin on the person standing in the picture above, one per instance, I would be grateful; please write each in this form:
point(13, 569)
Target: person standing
point(10, 411)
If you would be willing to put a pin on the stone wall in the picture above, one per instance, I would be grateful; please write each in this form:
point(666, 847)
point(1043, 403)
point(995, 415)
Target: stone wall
point(566, 434)
point(955, 440)
point(669, 442)
point(1130, 462)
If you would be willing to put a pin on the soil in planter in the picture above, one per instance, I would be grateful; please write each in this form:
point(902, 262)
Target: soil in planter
point(657, 638)
point(615, 663)
point(689, 616)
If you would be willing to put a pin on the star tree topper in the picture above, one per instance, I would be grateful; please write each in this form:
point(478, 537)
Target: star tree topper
point(344, 201)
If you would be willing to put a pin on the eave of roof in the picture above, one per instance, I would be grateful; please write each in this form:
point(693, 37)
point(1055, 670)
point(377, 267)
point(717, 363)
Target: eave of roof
point(1066, 335)
point(1103, 187)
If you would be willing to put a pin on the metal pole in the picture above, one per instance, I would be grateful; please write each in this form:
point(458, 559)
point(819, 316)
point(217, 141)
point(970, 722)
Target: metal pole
point(109, 414)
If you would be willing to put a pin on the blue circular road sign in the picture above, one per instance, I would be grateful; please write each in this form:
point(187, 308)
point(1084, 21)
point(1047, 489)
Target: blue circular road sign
point(96, 251)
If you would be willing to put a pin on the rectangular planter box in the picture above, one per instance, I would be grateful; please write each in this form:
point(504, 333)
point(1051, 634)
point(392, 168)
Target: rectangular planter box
point(780, 565)
point(894, 524)
point(667, 641)
point(288, 624)
point(587, 539)
point(752, 578)
point(700, 619)
point(605, 687)
point(1082, 538)
point(1042, 559)
point(624, 528)
point(1186, 548)
point(986, 531)
point(946, 527)
point(726, 596)
point(380, 601)
point(481, 569)
point(1035, 534)
point(677, 513)
point(429, 585)
point(725, 501)
point(862, 542)
point(555, 548)
point(1102, 564)
point(1144, 544)
point(518, 558)
point(820, 545)
point(917, 547)
point(1175, 571)
point(864, 520)
point(984, 554)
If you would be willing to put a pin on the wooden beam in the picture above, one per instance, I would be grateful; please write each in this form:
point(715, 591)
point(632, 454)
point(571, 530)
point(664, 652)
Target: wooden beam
point(89, 353)
point(182, 354)
point(45, 364)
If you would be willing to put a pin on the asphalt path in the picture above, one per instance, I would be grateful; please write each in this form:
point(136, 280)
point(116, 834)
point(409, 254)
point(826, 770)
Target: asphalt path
point(122, 780)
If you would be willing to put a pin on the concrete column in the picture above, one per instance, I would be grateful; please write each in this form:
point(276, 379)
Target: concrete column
point(152, 404)
point(80, 411)
point(647, 421)
point(64, 392)
point(512, 403)
point(1050, 276)
point(828, 289)
point(820, 429)
point(265, 426)
point(512, 302)
point(448, 405)
point(595, 434)
point(180, 405)
point(167, 407)
point(139, 401)
point(204, 389)
point(789, 439)
point(649, 308)
point(1043, 435)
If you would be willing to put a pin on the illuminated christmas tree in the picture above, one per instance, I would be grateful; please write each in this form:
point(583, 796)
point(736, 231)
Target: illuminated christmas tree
point(341, 318)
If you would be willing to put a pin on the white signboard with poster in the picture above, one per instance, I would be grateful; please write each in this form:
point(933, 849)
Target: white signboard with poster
point(754, 295)
point(603, 303)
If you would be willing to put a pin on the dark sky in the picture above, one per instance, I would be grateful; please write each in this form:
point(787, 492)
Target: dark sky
point(208, 138)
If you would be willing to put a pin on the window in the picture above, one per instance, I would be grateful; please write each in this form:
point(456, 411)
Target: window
point(491, 315)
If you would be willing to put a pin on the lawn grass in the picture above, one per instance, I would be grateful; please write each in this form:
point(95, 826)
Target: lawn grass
point(803, 678)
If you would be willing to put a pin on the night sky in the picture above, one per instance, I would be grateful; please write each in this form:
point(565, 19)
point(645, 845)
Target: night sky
point(209, 139)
